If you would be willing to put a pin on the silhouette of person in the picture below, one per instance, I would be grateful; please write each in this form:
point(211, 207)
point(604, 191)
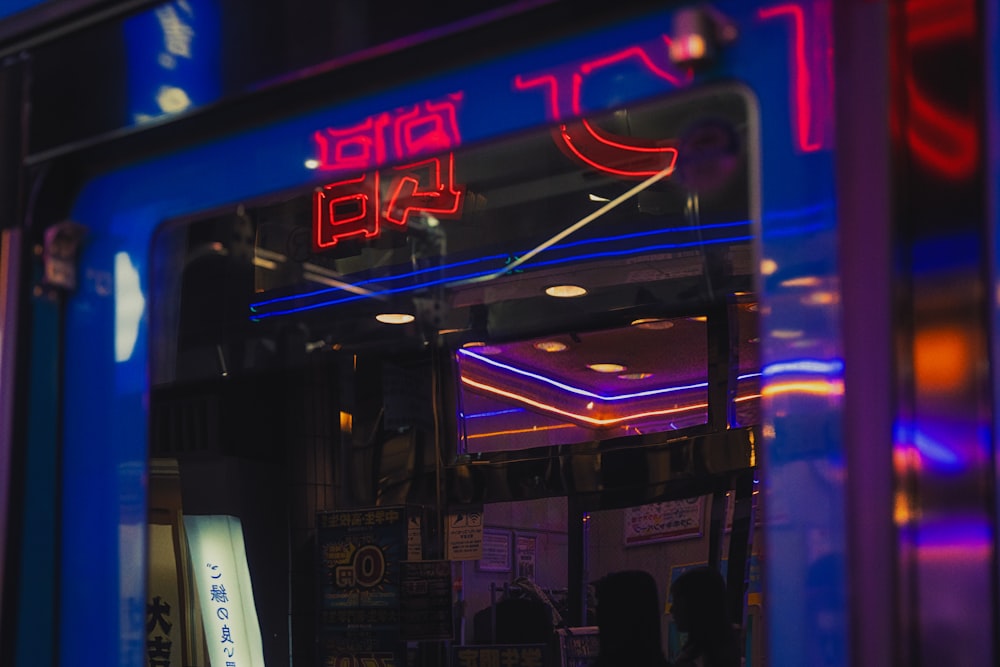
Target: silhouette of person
point(699, 609)
point(628, 621)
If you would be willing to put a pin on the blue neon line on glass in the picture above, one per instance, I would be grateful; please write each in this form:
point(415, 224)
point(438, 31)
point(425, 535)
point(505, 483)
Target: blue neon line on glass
point(812, 366)
point(490, 258)
point(410, 288)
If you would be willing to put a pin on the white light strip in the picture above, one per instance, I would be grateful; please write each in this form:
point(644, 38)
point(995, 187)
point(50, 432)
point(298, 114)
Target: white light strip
point(583, 222)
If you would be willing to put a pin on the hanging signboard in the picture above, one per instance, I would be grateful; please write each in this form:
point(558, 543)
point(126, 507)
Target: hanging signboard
point(222, 579)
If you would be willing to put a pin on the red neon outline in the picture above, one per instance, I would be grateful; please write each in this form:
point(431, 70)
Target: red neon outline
point(366, 135)
point(438, 190)
point(930, 21)
point(577, 144)
point(631, 51)
point(543, 80)
point(596, 134)
point(446, 134)
point(944, 141)
point(800, 101)
point(568, 140)
point(638, 51)
point(322, 204)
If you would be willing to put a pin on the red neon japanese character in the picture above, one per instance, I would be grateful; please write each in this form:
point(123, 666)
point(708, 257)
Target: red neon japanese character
point(429, 127)
point(353, 148)
point(346, 208)
point(564, 84)
point(420, 187)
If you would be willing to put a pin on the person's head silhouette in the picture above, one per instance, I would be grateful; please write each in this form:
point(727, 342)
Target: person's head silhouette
point(698, 606)
point(628, 620)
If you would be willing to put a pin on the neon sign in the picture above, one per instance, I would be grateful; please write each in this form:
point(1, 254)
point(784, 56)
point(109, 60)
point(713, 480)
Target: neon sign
point(622, 156)
point(353, 207)
point(811, 98)
point(428, 127)
point(944, 139)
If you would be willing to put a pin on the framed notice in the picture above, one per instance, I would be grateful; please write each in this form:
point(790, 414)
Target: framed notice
point(496, 551)
point(659, 522)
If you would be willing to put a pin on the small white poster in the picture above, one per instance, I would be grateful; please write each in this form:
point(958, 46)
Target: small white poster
point(657, 522)
point(222, 579)
point(465, 535)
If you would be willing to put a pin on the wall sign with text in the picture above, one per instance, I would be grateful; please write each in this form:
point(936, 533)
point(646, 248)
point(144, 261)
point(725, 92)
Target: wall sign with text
point(658, 522)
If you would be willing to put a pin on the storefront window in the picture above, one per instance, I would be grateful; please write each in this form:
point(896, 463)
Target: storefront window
point(530, 362)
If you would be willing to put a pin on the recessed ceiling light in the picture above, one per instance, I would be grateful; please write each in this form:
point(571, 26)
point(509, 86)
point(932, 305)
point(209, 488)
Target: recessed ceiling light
point(700, 318)
point(606, 368)
point(550, 346)
point(395, 318)
point(634, 376)
point(565, 291)
point(312, 163)
point(653, 323)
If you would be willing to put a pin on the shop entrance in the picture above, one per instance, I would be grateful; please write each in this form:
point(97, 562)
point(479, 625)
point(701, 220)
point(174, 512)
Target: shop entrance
point(415, 415)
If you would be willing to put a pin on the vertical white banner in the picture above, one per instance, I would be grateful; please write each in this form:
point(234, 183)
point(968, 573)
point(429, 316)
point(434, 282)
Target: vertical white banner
point(222, 578)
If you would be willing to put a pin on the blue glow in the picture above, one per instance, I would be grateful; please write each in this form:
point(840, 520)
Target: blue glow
point(490, 258)
point(173, 59)
point(930, 449)
point(11, 7)
point(800, 212)
point(457, 279)
point(800, 230)
point(834, 367)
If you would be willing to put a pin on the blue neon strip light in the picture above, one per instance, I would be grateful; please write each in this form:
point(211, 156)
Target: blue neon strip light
point(385, 279)
point(810, 366)
point(455, 279)
point(490, 258)
point(358, 297)
point(584, 392)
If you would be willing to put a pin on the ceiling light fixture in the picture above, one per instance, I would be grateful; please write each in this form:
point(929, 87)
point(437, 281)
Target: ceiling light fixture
point(565, 291)
point(606, 368)
point(395, 318)
point(550, 346)
point(652, 323)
